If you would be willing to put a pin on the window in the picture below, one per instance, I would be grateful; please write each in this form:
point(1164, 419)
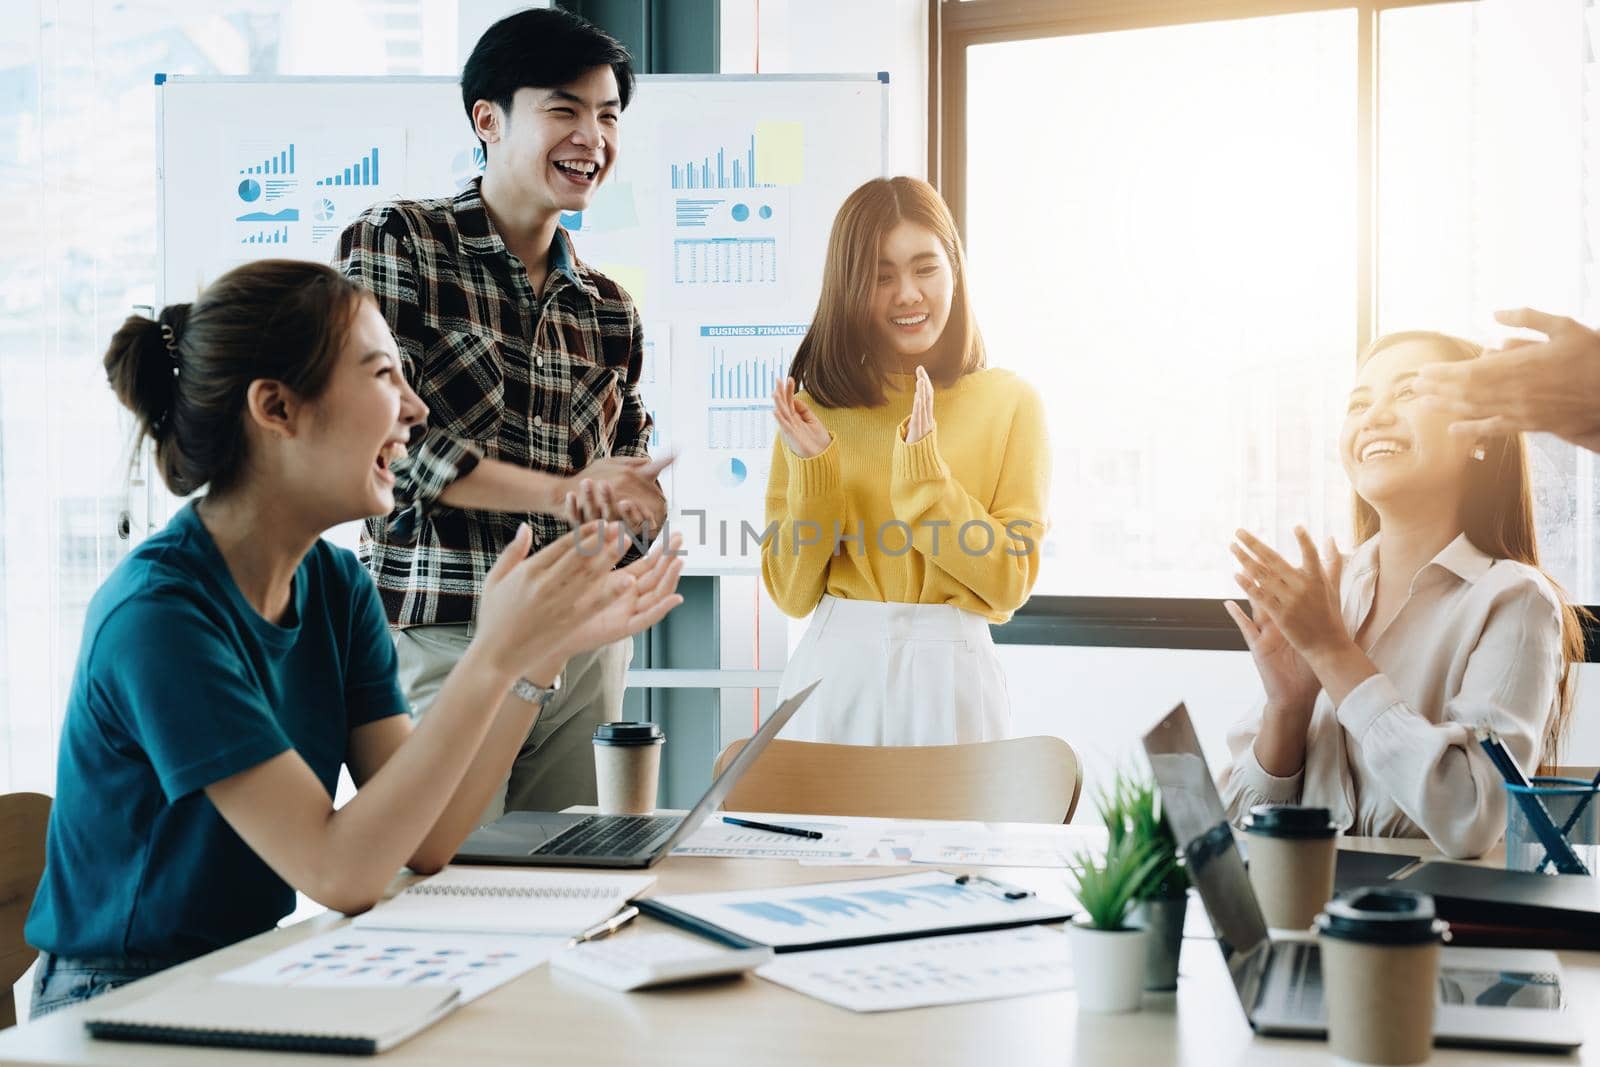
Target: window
point(1489, 197)
point(77, 167)
point(1145, 254)
point(1169, 235)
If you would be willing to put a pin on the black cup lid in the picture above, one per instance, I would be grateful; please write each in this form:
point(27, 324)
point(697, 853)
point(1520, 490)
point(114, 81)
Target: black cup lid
point(628, 733)
point(1290, 820)
point(1381, 917)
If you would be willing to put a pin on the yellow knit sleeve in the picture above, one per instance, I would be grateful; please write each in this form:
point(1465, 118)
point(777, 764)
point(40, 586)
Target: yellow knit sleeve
point(804, 512)
point(993, 553)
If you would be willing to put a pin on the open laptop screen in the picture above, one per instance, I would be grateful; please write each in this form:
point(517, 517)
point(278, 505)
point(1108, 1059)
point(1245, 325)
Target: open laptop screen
point(1194, 810)
point(735, 770)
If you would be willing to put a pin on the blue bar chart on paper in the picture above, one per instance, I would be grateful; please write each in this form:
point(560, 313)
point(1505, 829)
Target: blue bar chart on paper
point(279, 163)
point(363, 171)
point(743, 366)
point(278, 235)
point(267, 172)
point(744, 379)
point(728, 167)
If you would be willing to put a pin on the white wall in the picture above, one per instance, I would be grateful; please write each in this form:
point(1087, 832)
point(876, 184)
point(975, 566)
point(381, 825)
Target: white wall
point(842, 37)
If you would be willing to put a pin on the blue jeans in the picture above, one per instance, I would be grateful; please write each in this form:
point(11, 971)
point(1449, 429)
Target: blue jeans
point(59, 982)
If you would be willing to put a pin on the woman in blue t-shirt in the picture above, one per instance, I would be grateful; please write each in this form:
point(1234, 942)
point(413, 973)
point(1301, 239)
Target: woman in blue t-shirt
point(235, 661)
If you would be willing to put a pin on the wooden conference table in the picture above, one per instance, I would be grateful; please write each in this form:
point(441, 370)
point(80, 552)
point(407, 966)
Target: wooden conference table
point(559, 1019)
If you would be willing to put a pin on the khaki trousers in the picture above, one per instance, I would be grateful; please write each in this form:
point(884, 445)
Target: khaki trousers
point(555, 766)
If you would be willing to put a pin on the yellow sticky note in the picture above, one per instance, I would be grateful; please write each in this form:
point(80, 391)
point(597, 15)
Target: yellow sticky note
point(780, 153)
point(636, 280)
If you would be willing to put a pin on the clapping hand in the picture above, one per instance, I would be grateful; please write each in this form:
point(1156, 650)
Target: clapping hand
point(1302, 602)
point(798, 425)
point(617, 488)
point(1285, 675)
point(636, 598)
point(539, 610)
point(921, 423)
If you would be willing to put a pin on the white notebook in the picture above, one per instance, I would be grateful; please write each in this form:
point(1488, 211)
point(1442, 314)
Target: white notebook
point(199, 1011)
point(504, 900)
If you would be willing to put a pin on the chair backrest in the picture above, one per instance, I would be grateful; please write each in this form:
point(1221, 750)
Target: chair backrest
point(23, 819)
point(1024, 779)
point(1566, 770)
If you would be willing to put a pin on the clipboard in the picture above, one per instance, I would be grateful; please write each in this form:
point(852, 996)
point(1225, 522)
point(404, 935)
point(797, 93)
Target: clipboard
point(863, 911)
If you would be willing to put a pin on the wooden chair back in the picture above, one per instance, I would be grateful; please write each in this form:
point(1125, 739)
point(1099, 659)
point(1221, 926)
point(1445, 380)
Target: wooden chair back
point(1024, 779)
point(23, 819)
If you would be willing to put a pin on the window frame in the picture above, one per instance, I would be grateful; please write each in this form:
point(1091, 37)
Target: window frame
point(955, 25)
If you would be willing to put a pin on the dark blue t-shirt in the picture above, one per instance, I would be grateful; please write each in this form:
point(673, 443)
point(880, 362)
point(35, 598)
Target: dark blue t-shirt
point(181, 683)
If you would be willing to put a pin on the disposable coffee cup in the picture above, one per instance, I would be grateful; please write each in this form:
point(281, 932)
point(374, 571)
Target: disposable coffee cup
point(627, 765)
point(1380, 974)
point(1292, 854)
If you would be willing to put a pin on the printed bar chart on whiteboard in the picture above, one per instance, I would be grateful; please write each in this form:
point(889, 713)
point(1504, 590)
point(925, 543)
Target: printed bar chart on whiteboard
point(744, 365)
point(296, 187)
point(726, 409)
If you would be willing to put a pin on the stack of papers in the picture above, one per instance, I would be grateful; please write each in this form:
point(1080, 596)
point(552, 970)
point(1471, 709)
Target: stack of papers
point(931, 970)
point(860, 841)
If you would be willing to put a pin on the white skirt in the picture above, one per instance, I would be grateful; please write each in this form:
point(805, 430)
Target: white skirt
point(897, 674)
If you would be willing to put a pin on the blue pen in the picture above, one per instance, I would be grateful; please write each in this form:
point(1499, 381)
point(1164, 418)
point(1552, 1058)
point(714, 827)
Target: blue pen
point(1556, 848)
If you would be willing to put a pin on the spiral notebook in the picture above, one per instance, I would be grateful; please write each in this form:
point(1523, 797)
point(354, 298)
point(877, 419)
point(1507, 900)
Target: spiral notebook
point(501, 900)
point(288, 1019)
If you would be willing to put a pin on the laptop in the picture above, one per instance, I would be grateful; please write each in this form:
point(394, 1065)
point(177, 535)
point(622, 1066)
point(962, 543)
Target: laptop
point(555, 839)
point(1501, 998)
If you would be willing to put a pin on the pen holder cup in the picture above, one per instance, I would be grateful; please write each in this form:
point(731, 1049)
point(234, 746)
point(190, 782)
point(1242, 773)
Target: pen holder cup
point(1574, 811)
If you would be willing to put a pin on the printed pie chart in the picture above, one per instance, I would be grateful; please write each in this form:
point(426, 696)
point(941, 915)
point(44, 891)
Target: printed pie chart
point(733, 473)
point(249, 190)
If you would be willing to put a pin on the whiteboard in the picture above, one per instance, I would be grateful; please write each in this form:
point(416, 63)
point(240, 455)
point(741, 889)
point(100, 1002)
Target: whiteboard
point(715, 218)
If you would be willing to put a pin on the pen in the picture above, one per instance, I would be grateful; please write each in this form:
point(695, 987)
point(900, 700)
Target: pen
point(792, 831)
point(607, 928)
point(1011, 892)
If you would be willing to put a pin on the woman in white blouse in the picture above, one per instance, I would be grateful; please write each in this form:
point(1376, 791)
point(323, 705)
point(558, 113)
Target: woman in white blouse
point(1377, 668)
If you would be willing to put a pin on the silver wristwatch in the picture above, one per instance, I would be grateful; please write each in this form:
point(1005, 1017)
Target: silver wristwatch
point(537, 695)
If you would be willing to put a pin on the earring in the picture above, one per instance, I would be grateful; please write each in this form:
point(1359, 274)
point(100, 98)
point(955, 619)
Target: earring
point(1479, 453)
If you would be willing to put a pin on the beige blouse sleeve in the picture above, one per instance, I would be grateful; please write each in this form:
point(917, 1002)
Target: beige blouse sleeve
point(1435, 772)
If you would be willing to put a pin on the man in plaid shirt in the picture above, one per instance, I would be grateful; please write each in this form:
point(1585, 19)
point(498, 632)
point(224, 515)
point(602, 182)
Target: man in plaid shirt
point(529, 363)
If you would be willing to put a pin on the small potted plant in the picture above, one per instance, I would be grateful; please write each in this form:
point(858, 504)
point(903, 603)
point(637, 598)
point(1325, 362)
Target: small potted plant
point(1163, 898)
point(1108, 951)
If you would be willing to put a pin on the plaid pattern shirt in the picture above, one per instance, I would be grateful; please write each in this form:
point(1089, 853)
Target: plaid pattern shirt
point(547, 381)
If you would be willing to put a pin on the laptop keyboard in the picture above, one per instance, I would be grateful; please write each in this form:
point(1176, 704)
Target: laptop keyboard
point(1304, 998)
point(610, 835)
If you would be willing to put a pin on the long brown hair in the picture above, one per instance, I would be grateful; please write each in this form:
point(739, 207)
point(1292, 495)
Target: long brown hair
point(1497, 517)
point(832, 363)
point(185, 373)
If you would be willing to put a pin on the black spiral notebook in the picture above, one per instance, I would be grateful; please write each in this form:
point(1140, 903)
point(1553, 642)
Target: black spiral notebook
point(350, 1021)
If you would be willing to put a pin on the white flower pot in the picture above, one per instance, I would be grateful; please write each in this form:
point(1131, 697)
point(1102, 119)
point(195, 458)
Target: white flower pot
point(1107, 968)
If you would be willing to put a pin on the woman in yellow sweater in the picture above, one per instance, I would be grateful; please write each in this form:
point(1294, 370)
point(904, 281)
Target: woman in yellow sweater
point(908, 487)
